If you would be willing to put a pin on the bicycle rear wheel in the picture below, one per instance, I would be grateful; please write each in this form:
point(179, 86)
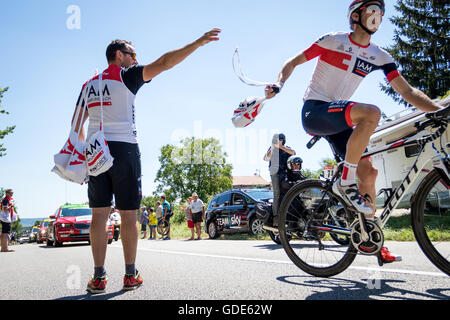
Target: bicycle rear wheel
point(430, 215)
point(303, 218)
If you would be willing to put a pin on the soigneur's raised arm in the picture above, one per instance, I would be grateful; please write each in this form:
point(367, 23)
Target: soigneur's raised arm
point(172, 58)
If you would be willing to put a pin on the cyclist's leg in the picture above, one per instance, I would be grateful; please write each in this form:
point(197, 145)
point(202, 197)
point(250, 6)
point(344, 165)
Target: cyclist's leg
point(367, 176)
point(366, 119)
point(335, 120)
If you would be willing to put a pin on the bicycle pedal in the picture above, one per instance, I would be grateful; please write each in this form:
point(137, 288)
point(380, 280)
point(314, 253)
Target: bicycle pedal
point(274, 230)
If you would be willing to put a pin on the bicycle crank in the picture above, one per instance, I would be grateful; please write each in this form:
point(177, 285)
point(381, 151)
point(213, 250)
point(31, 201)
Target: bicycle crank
point(369, 240)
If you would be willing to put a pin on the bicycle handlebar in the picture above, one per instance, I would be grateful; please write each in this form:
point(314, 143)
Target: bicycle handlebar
point(439, 115)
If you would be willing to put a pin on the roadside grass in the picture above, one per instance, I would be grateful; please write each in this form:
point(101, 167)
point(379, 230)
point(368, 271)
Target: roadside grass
point(397, 229)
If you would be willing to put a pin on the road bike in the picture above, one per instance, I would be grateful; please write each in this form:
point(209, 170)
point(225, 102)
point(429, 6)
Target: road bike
point(322, 235)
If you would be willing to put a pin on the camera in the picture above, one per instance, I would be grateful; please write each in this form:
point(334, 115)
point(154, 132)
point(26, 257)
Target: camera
point(277, 138)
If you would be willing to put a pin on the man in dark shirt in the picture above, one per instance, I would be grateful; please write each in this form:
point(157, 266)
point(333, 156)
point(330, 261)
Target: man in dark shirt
point(277, 155)
point(120, 82)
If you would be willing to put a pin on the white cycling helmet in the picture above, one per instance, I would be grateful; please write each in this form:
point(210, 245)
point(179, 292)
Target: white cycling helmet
point(294, 160)
point(248, 110)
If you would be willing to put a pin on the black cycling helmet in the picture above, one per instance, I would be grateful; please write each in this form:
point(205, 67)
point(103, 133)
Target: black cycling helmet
point(294, 160)
point(356, 6)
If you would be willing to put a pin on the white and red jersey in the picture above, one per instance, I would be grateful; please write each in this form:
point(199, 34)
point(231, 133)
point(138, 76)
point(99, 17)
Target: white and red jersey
point(119, 87)
point(342, 65)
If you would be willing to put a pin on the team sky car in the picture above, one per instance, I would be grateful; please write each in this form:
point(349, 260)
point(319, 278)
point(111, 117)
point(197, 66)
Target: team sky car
point(42, 234)
point(234, 212)
point(72, 224)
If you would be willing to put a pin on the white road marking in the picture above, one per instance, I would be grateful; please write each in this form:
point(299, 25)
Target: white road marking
point(368, 269)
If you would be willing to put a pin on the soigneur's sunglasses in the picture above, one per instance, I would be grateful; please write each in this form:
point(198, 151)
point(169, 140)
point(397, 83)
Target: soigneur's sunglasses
point(132, 54)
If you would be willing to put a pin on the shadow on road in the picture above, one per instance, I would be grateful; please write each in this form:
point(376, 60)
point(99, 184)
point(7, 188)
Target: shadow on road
point(89, 296)
point(271, 246)
point(69, 245)
point(368, 289)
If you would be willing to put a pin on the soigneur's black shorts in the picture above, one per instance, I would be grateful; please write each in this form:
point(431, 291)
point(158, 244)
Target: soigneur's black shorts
point(123, 180)
point(331, 119)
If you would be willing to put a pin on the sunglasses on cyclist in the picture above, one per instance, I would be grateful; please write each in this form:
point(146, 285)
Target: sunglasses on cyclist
point(132, 54)
point(375, 9)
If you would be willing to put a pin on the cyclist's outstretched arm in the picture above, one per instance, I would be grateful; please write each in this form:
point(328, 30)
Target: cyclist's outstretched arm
point(414, 96)
point(286, 72)
point(172, 58)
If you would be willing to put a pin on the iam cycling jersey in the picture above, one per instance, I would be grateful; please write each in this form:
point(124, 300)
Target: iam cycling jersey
point(120, 86)
point(342, 65)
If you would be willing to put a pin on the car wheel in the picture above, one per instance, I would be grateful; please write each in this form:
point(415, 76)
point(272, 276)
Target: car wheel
point(56, 243)
point(213, 232)
point(49, 243)
point(256, 226)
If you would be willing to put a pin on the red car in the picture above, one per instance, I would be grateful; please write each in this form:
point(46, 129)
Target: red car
point(42, 233)
point(72, 224)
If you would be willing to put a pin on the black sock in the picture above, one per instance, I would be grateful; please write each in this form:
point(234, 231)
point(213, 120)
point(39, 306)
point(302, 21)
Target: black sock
point(99, 272)
point(130, 269)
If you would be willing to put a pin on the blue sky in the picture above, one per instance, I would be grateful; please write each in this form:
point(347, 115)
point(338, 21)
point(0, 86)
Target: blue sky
point(45, 63)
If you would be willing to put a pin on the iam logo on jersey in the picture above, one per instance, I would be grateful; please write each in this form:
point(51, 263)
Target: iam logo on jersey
point(363, 68)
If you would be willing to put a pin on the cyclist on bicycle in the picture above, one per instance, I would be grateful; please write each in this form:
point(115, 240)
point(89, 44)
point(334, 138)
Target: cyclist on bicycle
point(345, 59)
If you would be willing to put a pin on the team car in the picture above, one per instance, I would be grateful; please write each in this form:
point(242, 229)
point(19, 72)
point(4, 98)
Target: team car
point(42, 234)
point(71, 223)
point(34, 234)
point(234, 212)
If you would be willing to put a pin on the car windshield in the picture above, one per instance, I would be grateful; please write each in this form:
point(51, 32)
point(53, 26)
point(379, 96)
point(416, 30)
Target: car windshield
point(75, 212)
point(260, 194)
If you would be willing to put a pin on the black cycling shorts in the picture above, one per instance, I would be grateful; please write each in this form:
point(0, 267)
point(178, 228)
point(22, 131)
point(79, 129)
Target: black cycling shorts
point(330, 119)
point(123, 180)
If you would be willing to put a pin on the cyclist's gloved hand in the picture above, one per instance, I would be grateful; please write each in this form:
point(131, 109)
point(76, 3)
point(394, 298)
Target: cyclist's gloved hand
point(274, 89)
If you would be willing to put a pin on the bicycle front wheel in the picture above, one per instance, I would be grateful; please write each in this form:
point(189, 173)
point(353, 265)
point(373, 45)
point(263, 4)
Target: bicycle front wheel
point(431, 220)
point(304, 230)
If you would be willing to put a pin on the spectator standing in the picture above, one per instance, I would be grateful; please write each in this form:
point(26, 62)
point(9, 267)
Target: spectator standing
point(166, 214)
point(198, 214)
point(153, 223)
point(6, 216)
point(144, 221)
point(190, 223)
point(159, 212)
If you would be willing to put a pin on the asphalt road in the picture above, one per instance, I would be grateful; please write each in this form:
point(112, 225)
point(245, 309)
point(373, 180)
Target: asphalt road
point(214, 270)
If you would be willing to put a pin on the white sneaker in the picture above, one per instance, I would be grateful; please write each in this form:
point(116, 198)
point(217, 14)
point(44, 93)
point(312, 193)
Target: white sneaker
point(352, 197)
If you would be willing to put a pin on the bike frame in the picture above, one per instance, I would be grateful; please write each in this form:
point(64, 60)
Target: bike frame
point(439, 163)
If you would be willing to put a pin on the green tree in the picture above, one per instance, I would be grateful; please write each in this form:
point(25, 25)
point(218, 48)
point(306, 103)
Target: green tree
point(199, 165)
point(421, 46)
point(8, 130)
